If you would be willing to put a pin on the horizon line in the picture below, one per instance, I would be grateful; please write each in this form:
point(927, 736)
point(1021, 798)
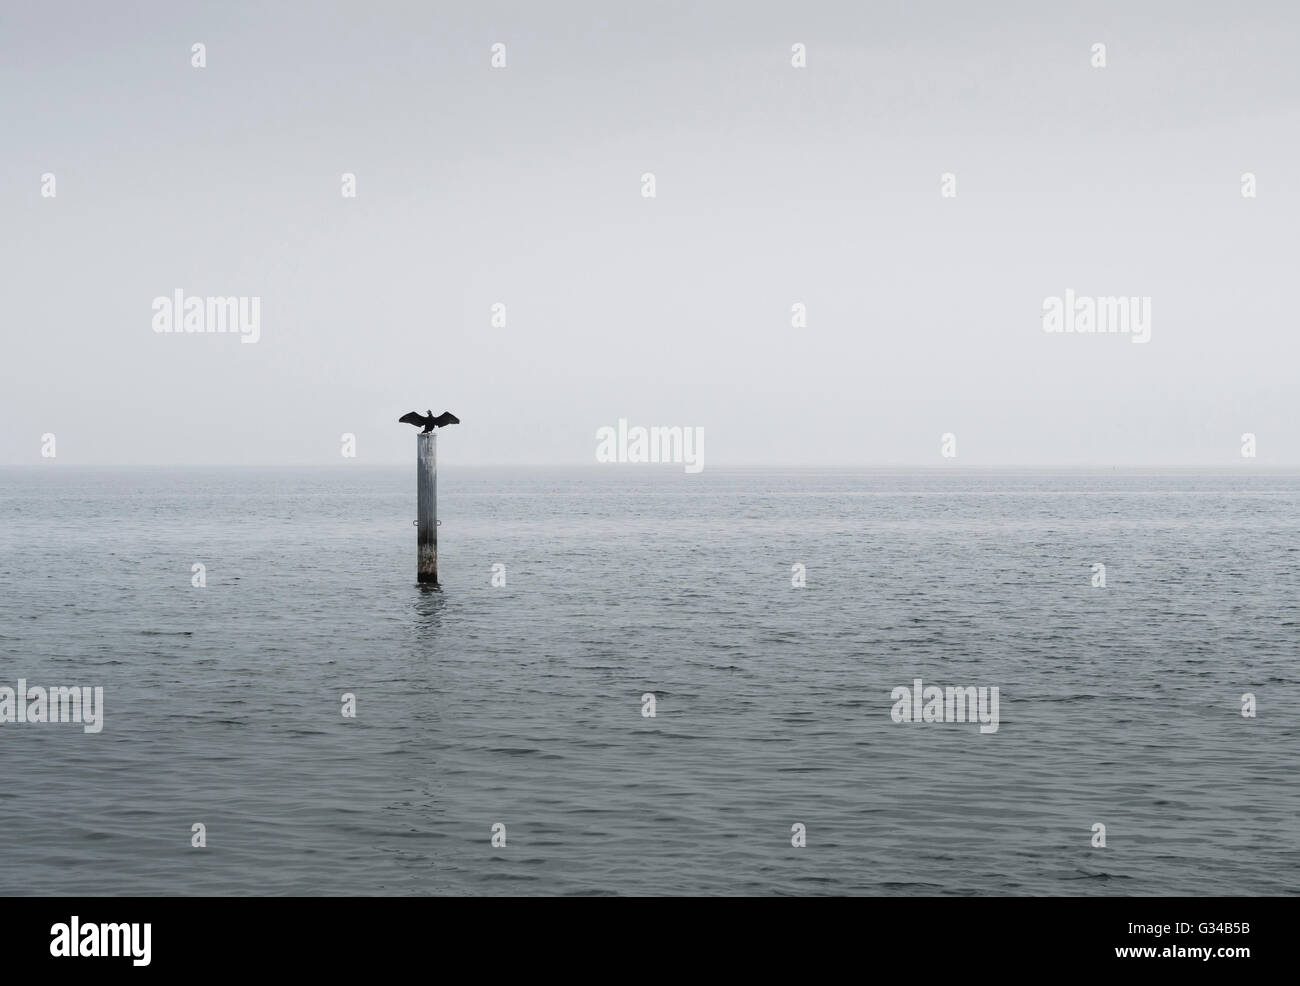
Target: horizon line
point(654, 466)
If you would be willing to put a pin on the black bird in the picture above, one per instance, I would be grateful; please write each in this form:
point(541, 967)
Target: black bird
point(429, 421)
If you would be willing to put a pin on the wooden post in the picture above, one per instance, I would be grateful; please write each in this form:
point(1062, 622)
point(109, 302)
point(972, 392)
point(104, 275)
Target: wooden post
point(426, 471)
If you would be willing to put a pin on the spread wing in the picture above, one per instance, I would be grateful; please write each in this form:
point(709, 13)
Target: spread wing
point(413, 418)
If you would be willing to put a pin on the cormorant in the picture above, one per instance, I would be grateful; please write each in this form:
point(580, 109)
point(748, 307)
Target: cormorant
point(429, 421)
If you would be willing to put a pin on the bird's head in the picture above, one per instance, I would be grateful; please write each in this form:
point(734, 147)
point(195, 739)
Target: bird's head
point(428, 412)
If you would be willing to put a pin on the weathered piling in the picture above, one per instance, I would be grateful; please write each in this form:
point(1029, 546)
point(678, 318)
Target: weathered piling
point(426, 471)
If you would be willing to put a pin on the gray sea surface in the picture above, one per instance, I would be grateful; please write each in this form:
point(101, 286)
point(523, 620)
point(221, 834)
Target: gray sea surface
point(522, 705)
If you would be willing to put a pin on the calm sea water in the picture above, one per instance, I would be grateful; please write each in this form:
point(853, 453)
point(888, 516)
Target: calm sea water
point(521, 704)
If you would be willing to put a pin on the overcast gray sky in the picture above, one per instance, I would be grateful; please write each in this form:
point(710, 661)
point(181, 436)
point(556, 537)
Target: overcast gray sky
point(775, 185)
